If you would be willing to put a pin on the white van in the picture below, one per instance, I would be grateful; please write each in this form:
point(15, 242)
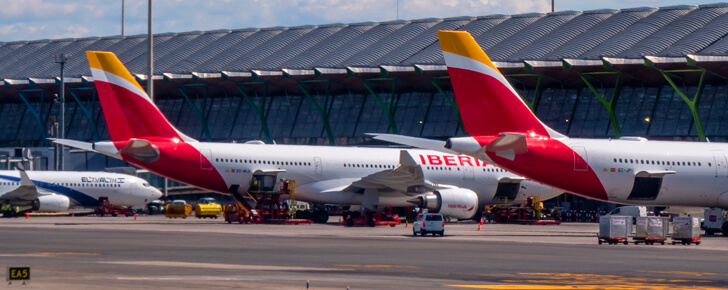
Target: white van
point(425, 223)
point(631, 210)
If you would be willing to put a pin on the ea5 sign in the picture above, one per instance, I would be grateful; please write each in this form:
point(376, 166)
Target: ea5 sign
point(18, 274)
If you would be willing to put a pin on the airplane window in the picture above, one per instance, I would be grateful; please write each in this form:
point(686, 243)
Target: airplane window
point(699, 164)
point(631, 161)
point(620, 160)
point(709, 164)
point(683, 163)
point(615, 160)
point(643, 162)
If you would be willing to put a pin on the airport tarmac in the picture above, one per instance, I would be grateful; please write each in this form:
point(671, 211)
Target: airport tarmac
point(154, 252)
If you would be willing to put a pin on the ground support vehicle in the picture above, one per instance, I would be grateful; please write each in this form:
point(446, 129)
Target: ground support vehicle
point(105, 208)
point(237, 213)
point(429, 223)
point(651, 230)
point(528, 214)
point(519, 215)
point(370, 218)
point(614, 229)
point(206, 207)
point(263, 203)
point(178, 209)
point(686, 230)
point(715, 221)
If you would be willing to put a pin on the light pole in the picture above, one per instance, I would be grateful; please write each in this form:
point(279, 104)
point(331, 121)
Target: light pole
point(61, 58)
point(150, 56)
point(122, 18)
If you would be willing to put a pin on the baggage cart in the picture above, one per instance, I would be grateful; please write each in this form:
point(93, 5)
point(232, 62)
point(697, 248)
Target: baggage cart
point(685, 230)
point(651, 230)
point(614, 229)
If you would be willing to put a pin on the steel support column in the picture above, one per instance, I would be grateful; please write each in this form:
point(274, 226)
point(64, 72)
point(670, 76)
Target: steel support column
point(258, 109)
point(692, 104)
point(200, 112)
point(388, 108)
point(450, 101)
point(612, 103)
point(41, 126)
point(536, 94)
point(89, 116)
point(321, 109)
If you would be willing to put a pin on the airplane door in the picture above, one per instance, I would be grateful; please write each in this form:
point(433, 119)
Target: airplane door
point(205, 159)
point(721, 166)
point(468, 173)
point(580, 159)
point(318, 164)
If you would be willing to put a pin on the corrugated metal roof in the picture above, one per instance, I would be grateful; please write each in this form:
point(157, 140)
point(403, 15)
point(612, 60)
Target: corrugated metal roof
point(194, 62)
point(526, 36)
point(562, 35)
point(627, 33)
point(639, 31)
point(392, 43)
point(311, 39)
point(477, 26)
point(677, 30)
point(600, 33)
point(249, 60)
point(360, 43)
point(322, 50)
point(705, 35)
point(233, 53)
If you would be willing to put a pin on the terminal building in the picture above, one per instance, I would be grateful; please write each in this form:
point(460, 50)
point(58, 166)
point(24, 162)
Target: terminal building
point(661, 73)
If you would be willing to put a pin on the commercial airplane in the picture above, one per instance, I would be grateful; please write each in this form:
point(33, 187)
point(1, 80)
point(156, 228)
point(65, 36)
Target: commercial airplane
point(371, 177)
point(53, 191)
point(629, 170)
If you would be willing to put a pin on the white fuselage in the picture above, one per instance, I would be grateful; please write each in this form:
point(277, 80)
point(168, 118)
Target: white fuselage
point(322, 173)
point(700, 175)
point(85, 188)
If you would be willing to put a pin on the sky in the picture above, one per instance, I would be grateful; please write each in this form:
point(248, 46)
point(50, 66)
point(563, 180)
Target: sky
point(54, 19)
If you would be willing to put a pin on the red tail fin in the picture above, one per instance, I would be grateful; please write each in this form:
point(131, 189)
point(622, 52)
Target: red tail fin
point(128, 110)
point(487, 102)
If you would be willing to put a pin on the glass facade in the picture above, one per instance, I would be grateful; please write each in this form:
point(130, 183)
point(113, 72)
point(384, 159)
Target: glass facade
point(657, 112)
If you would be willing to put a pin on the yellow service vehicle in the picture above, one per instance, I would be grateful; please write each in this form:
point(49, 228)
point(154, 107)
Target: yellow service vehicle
point(207, 207)
point(178, 209)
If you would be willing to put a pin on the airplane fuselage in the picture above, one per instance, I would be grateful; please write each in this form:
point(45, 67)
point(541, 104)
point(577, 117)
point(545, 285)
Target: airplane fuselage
point(85, 188)
point(322, 172)
point(669, 173)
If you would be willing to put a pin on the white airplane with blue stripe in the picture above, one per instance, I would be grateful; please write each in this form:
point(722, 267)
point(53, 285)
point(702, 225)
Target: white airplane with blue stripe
point(57, 191)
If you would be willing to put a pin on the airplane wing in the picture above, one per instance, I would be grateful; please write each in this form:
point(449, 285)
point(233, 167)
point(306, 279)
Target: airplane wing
point(408, 177)
point(27, 191)
point(423, 143)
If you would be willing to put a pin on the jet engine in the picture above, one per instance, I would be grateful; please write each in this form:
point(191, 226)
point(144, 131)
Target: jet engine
point(460, 203)
point(51, 203)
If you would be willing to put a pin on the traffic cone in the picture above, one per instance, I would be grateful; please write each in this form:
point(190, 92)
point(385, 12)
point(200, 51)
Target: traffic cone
point(479, 227)
point(27, 215)
point(135, 216)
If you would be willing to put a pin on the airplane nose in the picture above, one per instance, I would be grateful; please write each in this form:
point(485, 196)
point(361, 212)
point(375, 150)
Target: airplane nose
point(155, 194)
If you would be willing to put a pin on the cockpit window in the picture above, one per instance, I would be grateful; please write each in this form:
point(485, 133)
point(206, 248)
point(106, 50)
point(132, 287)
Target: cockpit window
point(146, 184)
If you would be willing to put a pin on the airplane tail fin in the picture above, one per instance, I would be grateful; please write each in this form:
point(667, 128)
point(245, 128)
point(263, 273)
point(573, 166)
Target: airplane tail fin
point(128, 110)
point(487, 102)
